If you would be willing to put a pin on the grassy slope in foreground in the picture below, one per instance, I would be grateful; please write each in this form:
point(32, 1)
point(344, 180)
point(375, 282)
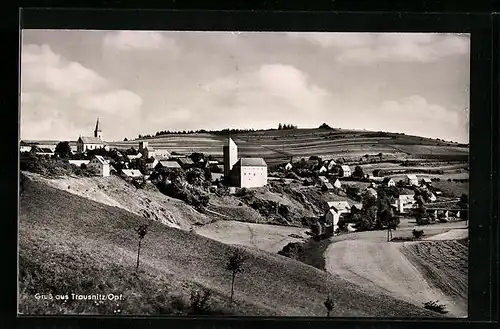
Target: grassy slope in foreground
point(71, 244)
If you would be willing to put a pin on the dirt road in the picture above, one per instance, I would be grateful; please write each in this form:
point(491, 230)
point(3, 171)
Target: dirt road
point(382, 266)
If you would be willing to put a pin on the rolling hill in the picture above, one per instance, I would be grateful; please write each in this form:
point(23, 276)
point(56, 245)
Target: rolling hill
point(279, 145)
point(69, 244)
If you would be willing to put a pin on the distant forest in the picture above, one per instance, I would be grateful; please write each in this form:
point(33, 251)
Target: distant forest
point(281, 126)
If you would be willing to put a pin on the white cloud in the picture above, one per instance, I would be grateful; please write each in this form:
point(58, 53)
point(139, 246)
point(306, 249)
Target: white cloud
point(140, 40)
point(277, 92)
point(119, 102)
point(42, 69)
point(370, 48)
point(415, 115)
point(56, 92)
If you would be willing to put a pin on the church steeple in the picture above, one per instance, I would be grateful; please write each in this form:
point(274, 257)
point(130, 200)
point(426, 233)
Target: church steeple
point(98, 131)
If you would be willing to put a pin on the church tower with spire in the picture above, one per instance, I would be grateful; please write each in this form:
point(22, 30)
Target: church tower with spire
point(98, 131)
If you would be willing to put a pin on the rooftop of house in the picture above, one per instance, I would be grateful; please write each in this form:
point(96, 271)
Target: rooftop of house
point(101, 159)
point(132, 172)
point(90, 140)
point(338, 205)
point(411, 176)
point(387, 179)
point(345, 167)
point(170, 164)
point(251, 162)
point(185, 161)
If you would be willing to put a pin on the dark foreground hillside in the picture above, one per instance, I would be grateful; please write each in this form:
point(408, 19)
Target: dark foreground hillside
point(69, 244)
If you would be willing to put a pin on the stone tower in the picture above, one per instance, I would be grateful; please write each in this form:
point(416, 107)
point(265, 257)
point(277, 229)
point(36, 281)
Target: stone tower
point(98, 131)
point(230, 152)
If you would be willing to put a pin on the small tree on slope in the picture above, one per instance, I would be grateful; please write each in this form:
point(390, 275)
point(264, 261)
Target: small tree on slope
point(141, 231)
point(329, 304)
point(235, 265)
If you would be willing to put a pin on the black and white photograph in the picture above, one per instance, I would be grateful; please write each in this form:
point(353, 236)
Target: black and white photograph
point(287, 174)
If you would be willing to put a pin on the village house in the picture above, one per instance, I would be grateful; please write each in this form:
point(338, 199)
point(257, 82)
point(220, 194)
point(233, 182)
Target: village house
point(151, 164)
point(405, 202)
point(24, 147)
point(162, 154)
point(288, 166)
point(335, 210)
point(356, 208)
point(85, 143)
point(323, 179)
point(46, 152)
point(412, 179)
point(323, 169)
point(168, 164)
point(101, 165)
point(185, 163)
point(216, 178)
point(327, 186)
point(329, 164)
point(432, 197)
point(389, 182)
point(131, 174)
point(146, 150)
point(132, 157)
point(244, 172)
point(345, 171)
point(337, 184)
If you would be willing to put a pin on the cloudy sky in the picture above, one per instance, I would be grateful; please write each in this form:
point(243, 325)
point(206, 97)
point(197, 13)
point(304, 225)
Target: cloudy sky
point(139, 82)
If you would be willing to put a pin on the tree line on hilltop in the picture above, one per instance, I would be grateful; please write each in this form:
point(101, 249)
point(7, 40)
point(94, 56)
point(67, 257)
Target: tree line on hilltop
point(227, 131)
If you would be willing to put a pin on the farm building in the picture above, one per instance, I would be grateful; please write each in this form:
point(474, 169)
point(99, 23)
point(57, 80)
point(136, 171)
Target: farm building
point(244, 172)
point(130, 174)
point(79, 163)
point(168, 164)
point(337, 184)
point(405, 202)
point(85, 143)
point(288, 166)
point(146, 150)
point(345, 171)
point(426, 181)
point(388, 181)
point(412, 179)
point(101, 165)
